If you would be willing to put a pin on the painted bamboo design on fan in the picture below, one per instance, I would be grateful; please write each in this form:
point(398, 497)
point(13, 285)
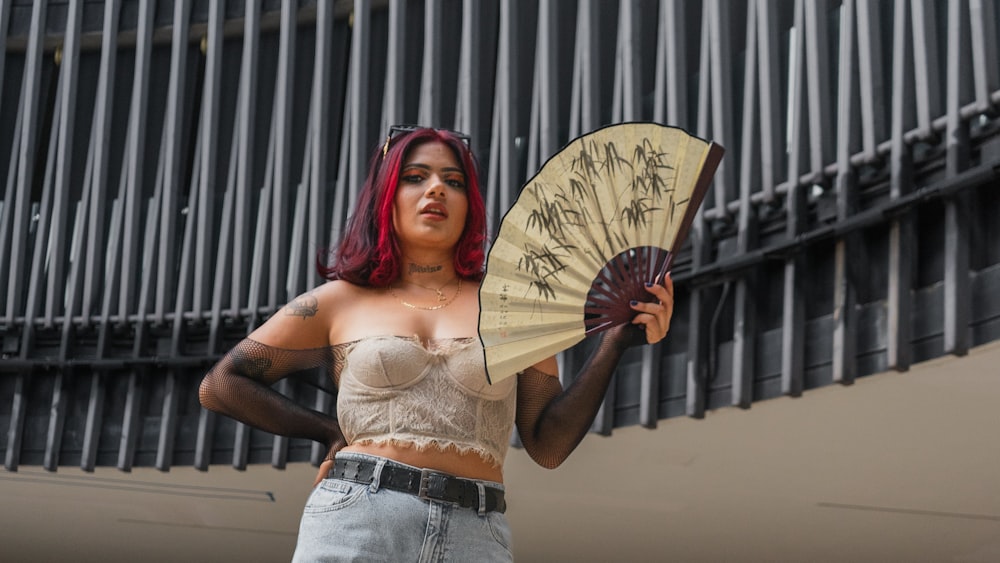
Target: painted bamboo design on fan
point(568, 212)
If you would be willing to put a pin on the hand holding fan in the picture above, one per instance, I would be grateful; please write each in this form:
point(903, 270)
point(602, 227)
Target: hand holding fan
point(602, 217)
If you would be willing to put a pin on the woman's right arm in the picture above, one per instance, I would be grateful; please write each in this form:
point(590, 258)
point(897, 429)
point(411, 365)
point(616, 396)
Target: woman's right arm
point(239, 386)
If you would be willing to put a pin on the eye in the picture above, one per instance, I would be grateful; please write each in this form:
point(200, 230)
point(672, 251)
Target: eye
point(457, 183)
point(412, 178)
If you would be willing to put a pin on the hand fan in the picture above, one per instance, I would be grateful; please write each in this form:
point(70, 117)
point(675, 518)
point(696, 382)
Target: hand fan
point(603, 216)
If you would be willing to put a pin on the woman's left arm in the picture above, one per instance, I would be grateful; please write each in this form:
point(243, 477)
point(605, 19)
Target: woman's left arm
point(552, 421)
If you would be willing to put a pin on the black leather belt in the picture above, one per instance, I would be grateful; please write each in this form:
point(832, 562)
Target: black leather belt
point(424, 483)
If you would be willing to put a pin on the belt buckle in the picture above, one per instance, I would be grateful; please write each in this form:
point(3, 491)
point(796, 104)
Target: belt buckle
point(427, 491)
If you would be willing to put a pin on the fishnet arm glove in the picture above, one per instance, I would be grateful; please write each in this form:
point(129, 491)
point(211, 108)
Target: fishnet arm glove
point(239, 386)
point(550, 421)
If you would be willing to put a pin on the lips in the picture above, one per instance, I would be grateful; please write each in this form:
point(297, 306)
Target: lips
point(435, 209)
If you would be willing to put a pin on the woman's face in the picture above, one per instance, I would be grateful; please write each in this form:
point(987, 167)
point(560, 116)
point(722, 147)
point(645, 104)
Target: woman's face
point(431, 202)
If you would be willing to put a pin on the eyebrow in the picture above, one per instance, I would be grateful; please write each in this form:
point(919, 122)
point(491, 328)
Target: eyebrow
point(426, 167)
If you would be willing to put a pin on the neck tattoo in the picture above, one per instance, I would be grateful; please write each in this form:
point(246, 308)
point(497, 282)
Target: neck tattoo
point(422, 269)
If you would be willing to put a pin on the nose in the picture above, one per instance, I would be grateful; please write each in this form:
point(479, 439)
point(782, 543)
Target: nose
point(435, 187)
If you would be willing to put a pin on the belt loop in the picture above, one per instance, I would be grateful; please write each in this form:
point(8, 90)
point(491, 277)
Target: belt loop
point(377, 475)
point(482, 498)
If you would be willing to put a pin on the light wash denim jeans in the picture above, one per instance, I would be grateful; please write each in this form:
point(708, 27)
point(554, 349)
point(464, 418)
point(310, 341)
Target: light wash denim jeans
point(347, 521)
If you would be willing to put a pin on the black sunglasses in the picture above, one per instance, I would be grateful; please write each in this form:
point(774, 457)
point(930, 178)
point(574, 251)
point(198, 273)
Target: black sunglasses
point(397, 130)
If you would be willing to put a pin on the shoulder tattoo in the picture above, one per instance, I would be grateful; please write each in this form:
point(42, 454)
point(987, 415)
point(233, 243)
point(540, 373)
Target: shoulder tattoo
point(303, 306)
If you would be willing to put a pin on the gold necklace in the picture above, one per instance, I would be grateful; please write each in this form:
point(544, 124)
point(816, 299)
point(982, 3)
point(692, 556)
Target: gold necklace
point(441, 296)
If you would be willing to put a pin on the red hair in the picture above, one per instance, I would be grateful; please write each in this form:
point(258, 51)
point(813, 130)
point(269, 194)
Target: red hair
point(368, 252)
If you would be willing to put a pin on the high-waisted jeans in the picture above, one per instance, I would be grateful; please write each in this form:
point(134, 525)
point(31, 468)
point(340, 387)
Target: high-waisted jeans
point(347, 521)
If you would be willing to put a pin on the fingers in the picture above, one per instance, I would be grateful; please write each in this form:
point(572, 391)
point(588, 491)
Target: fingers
point(655, 317)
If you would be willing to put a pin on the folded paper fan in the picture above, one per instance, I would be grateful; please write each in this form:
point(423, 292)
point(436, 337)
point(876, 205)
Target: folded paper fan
point(602, 217)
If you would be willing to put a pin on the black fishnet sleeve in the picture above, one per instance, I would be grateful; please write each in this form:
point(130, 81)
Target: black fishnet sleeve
point(239, 386)
point(552, 422)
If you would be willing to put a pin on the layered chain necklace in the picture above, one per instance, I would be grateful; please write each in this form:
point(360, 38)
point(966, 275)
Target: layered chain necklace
point(442, 299)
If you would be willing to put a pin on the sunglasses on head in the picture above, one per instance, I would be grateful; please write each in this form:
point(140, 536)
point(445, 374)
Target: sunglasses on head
point(397, 130)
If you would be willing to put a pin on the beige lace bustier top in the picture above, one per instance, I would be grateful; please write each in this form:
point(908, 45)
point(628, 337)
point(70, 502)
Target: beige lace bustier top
point(401, 390)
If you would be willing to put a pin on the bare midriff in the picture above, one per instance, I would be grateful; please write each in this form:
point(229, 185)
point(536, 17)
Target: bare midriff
point(469, 465)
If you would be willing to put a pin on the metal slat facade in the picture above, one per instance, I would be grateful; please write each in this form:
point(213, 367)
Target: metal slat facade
point(172, 170)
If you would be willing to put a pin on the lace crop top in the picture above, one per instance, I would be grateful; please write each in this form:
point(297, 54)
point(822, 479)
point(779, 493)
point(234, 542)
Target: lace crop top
point(394, 389)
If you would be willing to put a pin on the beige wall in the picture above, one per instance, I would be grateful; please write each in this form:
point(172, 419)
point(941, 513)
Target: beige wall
point(898, 467)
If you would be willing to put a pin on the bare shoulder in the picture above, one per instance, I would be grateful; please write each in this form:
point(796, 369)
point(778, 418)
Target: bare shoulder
point(304, 322)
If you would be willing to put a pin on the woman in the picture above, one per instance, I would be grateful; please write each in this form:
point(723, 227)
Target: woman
point(414, 469)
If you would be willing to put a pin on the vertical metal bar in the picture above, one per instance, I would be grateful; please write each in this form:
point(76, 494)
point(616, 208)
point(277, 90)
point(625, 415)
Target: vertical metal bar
point(817, 73)
point(136, 160)
point(4, 22)
point(140, 327)
point(925, 63)
point(84, 271)
point(245, 112)
point(241, 446)
point(43, 233)
point(584, 110)
point(627, 100)
point(172, 146)
point(957, 293)
point(98, 179)
point(469, 76)
point(64, 147)
point(57, 421)
point(392, 99)
point(670, 105)
point(21, 202)
point(319, 125)
point(342, 191)
point(844, 361)
point(294, 283)
point(697, 352)
point(279, 445)
point(73, 286)
point(744, 322)
point(430, 76)
point(358, 100)
point(185, 278)
point(604, 421)
point(205, 233)
point(793, 312)
point(322, 404)
point(901, 246)
point(542, 133)
point(771, 119)
point(721, 95)
point(871, 75)
point(204, 440)
point(796, 96)
point(223, 274)
point(283, 97)
point(168, 422)
point(10, 195)
point(649, 385)
point(110, 267)
point(92, 426)
point(503, 157)
point(15, 432)
point(983, 18)
point(131, 421)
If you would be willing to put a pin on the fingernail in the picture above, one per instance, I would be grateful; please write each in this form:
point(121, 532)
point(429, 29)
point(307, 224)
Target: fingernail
point(633, 302)
point(649, 284)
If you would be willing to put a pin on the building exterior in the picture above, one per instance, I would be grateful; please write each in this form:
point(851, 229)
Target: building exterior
point(173, 169)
